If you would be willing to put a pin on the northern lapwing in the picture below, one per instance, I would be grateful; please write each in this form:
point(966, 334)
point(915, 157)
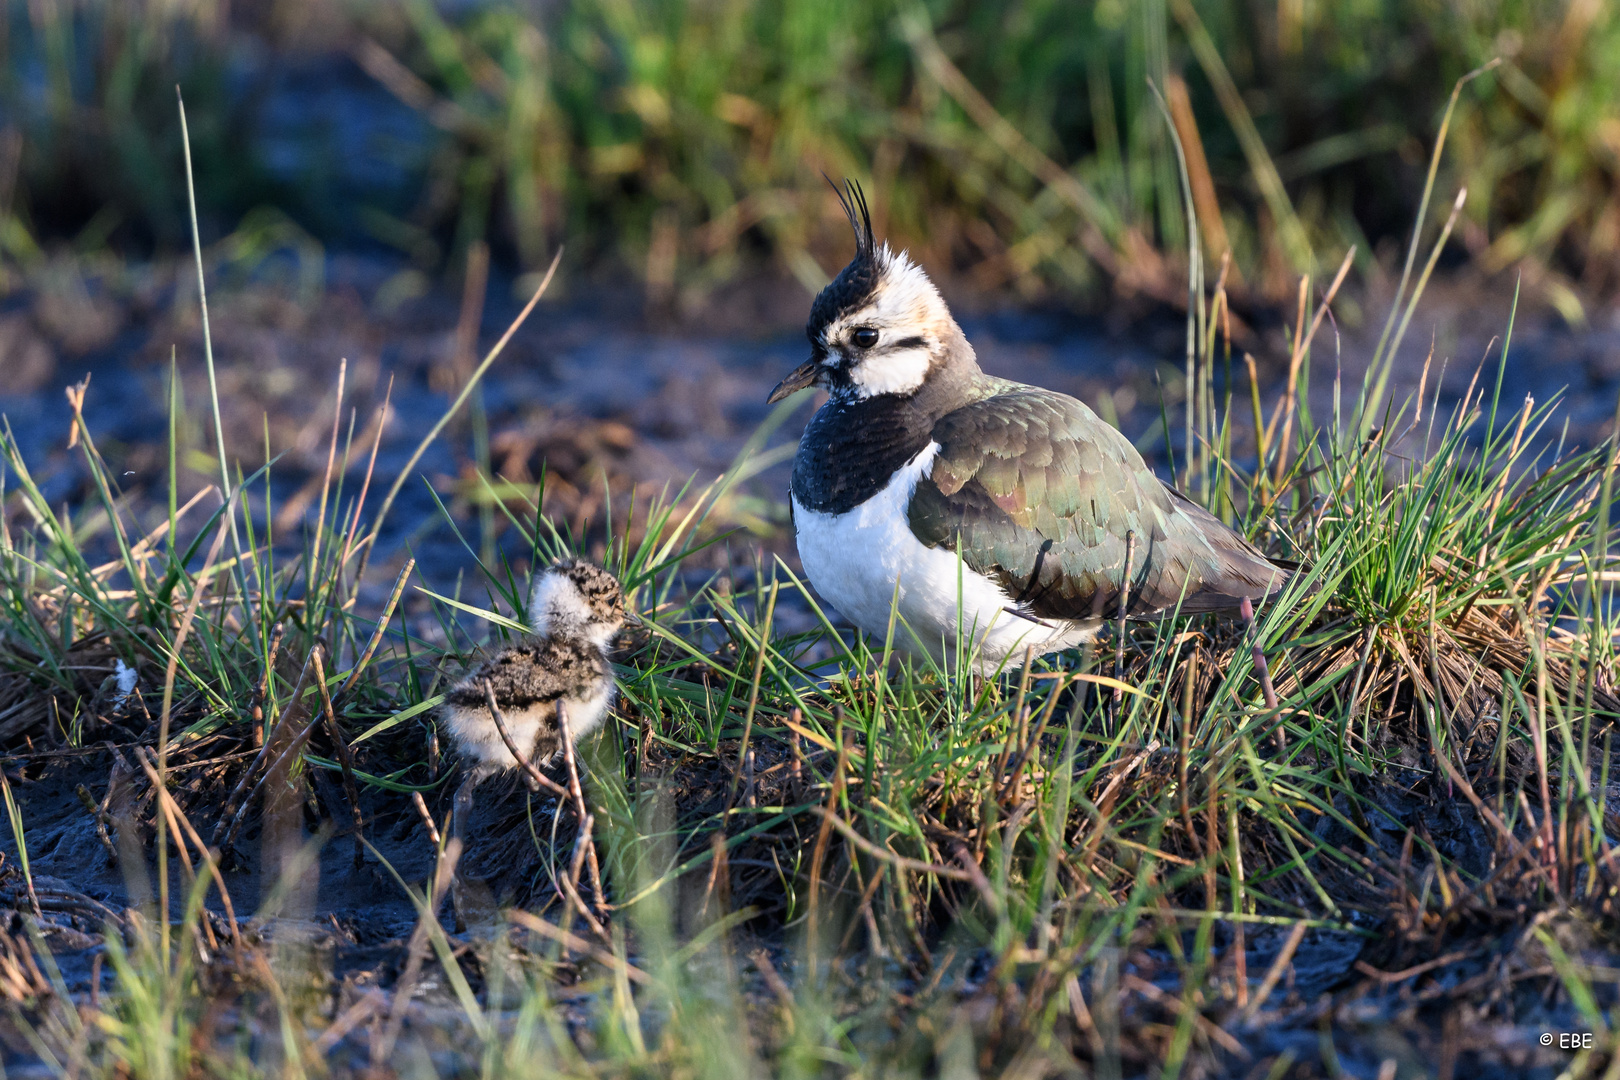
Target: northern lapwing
point(988, 515)
point(575, 609)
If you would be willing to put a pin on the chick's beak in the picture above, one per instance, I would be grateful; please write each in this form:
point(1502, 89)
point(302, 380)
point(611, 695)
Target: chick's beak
point(800, 377)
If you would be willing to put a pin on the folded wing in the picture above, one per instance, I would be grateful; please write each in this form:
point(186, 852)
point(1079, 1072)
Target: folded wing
point(1040, 494)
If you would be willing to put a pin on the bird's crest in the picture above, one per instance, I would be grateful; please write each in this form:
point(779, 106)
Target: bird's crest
point(857, 281)
point(853, 200)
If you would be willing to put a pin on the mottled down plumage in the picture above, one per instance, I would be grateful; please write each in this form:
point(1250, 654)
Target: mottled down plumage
point(575, 610)
point(528, 679)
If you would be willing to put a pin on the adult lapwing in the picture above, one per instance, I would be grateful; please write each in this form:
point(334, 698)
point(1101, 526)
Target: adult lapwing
point(988, 515)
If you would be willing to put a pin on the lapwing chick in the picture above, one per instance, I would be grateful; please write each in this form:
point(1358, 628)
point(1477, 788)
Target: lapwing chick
point(1002, 518)
point(575, 610)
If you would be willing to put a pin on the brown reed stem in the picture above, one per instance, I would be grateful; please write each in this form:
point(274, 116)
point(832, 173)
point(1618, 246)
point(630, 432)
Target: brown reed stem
point(580, 811)
point(345, 759)
point(540, 779)
point(427, 818)
point(1261, 670)
point(239, 794)
point(382, 626)
point(209, 856)
point(263, 691)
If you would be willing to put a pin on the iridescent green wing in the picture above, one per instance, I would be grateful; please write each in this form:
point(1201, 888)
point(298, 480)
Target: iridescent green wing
point(1041, 495)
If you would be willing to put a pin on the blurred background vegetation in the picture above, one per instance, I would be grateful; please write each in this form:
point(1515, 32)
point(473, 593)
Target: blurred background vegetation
point(683, 142)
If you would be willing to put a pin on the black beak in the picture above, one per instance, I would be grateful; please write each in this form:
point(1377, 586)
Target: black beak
point(800, 377)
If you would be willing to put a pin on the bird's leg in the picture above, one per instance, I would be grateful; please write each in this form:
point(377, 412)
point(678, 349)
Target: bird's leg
point(470, 897)
point(1124, 607)
point(461, 805)
point(1261, 670)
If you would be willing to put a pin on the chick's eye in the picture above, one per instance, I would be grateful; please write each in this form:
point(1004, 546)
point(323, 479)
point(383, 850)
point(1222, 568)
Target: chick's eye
point(865, 336)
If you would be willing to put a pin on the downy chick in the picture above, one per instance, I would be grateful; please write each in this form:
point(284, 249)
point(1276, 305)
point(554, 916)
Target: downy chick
point(575, 610)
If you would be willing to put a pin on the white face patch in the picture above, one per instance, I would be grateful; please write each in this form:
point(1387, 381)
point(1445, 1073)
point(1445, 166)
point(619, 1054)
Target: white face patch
point(911, 320)
point(898, 372)
point(556, 602)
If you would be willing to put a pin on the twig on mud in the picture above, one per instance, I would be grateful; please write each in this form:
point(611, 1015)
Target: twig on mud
point(582, 840)
point(1275, 973)
point(1082, 1014)
point(900, 862)
point(352, 1017)
point(571, 894)
point(427, 818)
point(874, 938)
point(209, 857)
point(775, 982)
point(975, 874)
point(69, 903)
point(345, 759)
point(30, 756)
point(580, 810)
point(1179, 1007)
point(571, 940)
point(99, 816)
point(1415, 970)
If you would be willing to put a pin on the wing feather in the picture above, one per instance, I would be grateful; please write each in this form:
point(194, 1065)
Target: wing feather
point(1040, 495)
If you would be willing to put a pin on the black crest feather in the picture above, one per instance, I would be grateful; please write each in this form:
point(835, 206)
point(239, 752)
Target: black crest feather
point(855, 283)
point(853, 200)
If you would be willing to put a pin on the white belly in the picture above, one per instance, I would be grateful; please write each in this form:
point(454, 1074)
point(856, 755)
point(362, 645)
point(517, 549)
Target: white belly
point(586, 714)
point(869, 565)
point(477, 738)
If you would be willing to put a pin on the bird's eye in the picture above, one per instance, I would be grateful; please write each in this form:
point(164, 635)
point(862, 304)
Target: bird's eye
point(865, 336)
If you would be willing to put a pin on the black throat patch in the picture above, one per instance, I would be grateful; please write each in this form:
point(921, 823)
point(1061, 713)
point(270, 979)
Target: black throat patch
point(852, 446)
